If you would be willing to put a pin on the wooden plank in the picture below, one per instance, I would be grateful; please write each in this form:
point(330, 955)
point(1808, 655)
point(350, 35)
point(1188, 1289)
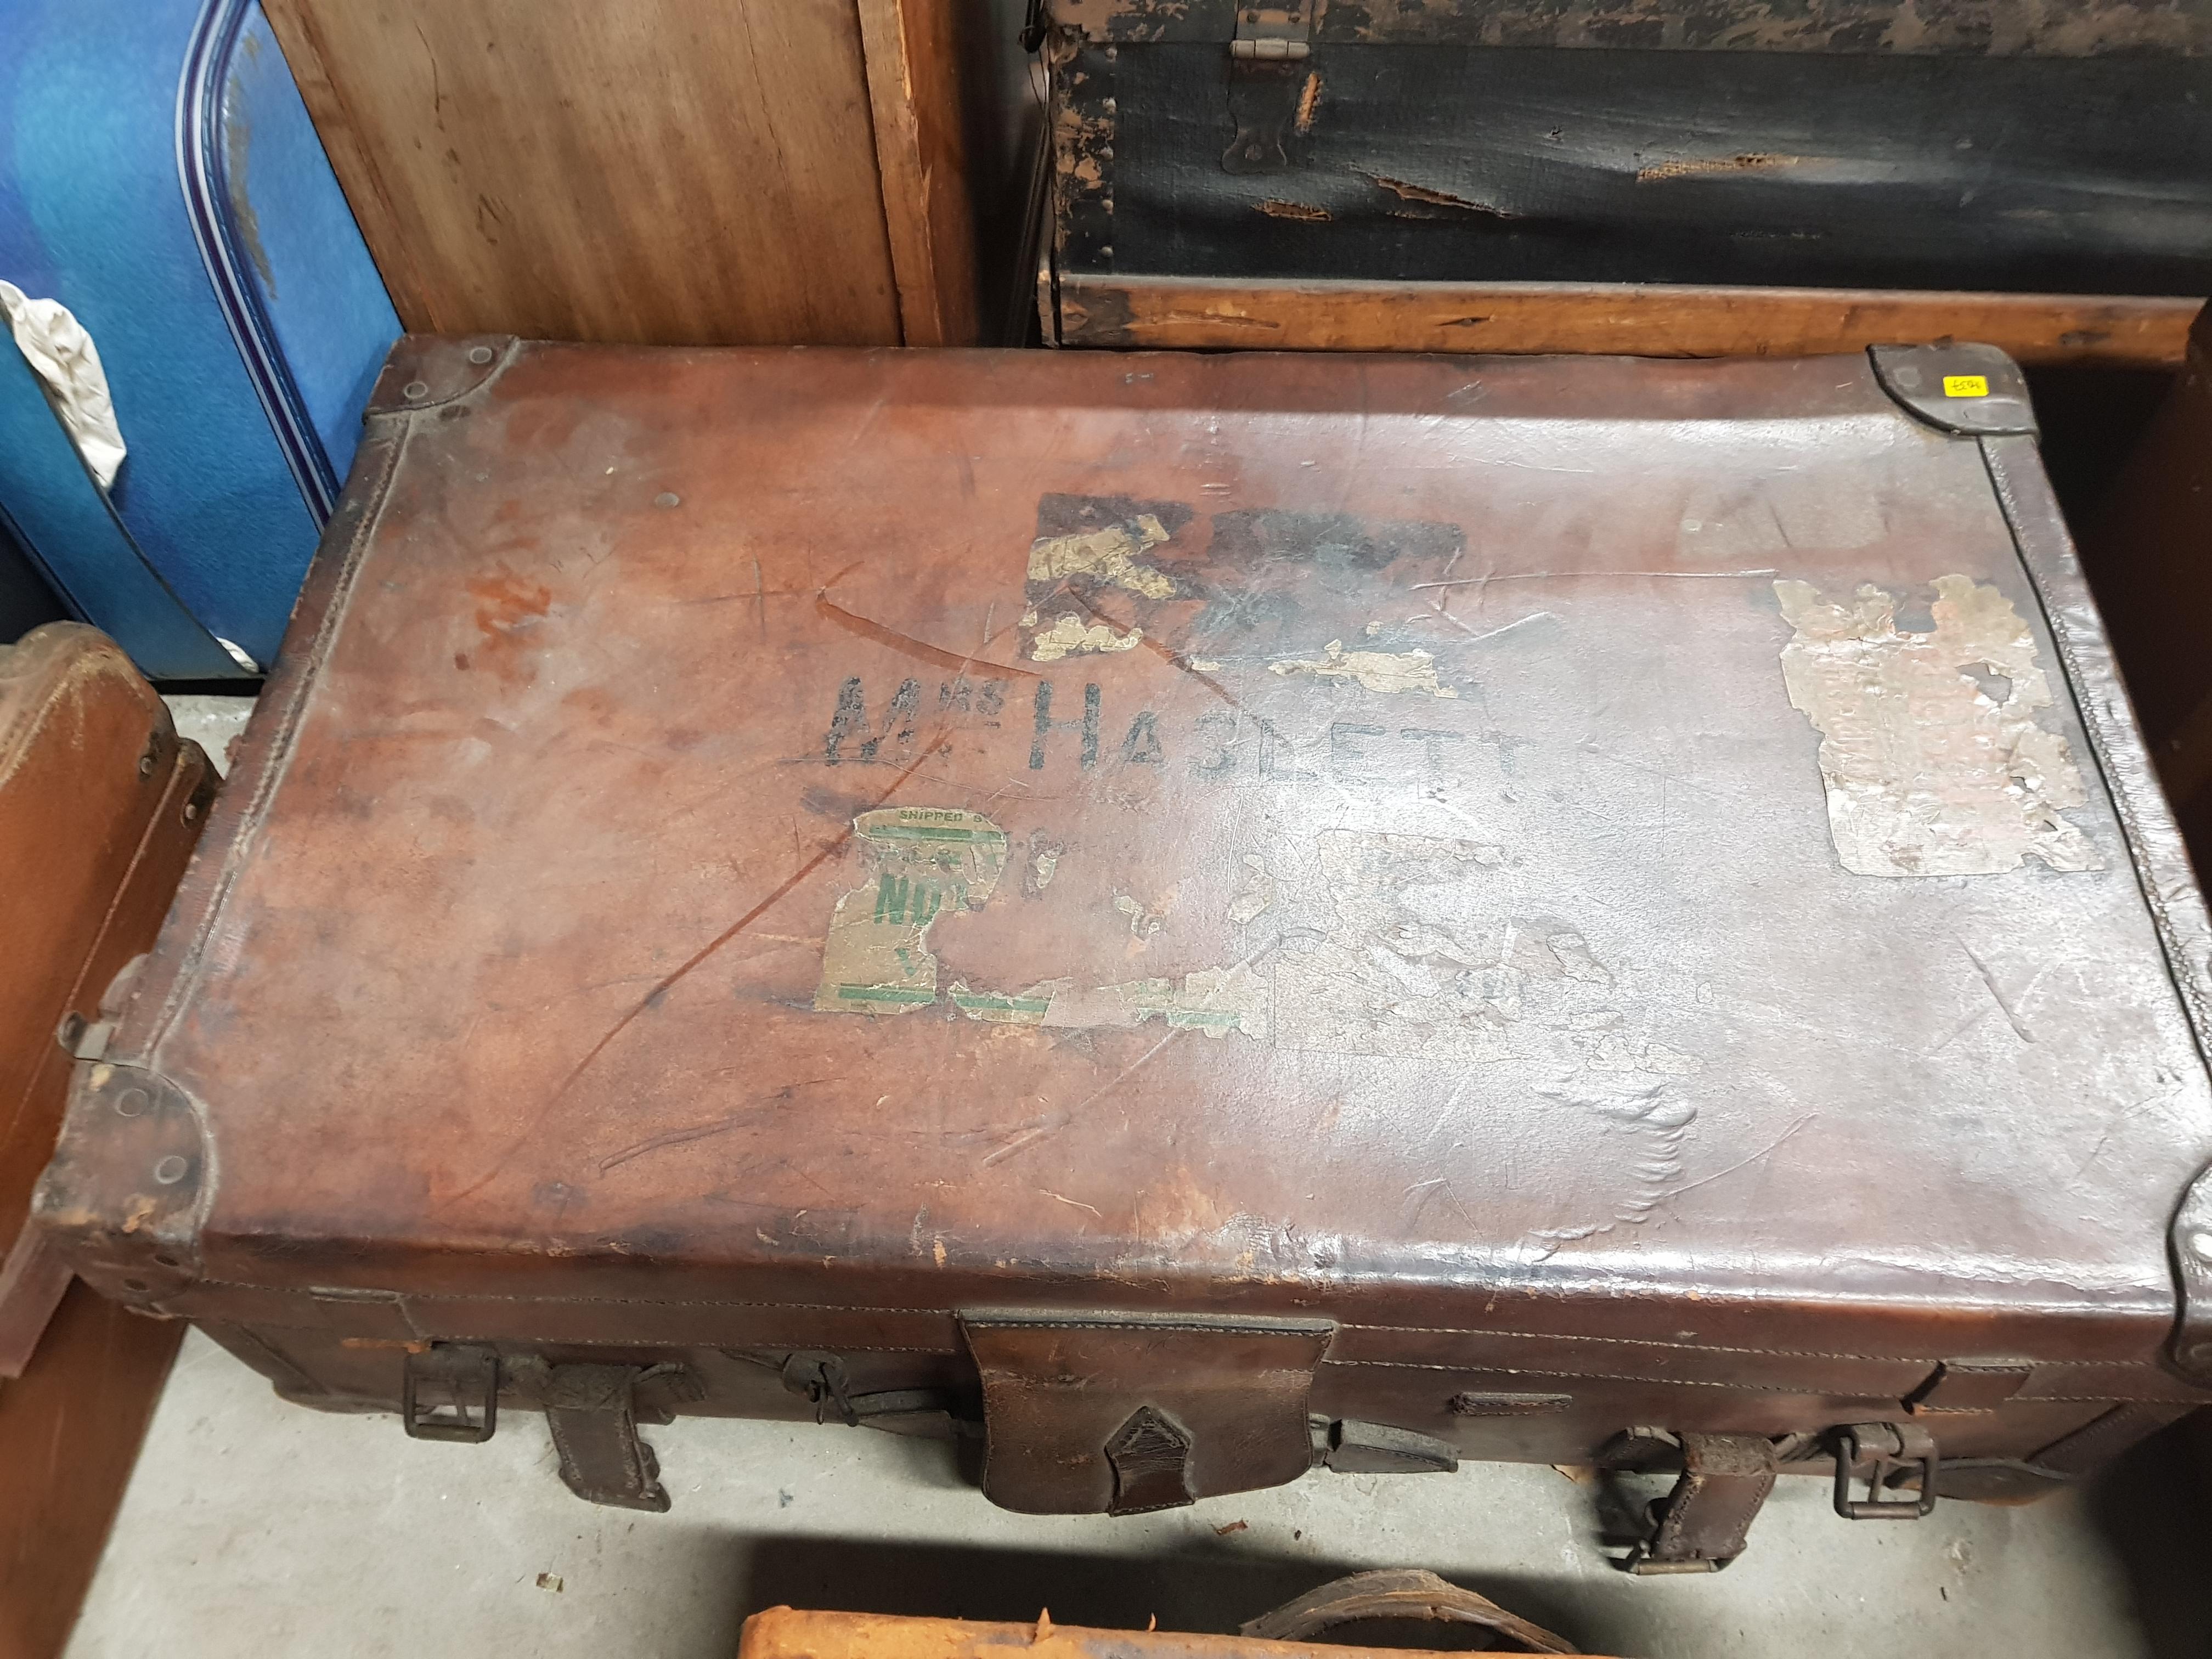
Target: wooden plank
point(1633, 320)
point(671, 171)
point(69, 1430)
point(913, 55)
point(797, 1633)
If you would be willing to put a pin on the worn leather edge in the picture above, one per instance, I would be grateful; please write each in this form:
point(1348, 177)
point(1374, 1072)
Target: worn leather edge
point(74, 1208)
point(440, 366)
point(1906, 372)
point(2162, 860)
point(2162, 865)
point(127, 1193)
point(265, 752)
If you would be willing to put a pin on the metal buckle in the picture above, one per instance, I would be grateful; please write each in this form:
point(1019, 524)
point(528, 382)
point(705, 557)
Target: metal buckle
point(820, 1378)
point(451, 1392)
point(1891, 1447)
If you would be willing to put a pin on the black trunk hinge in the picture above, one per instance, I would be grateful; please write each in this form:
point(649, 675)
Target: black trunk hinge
point(1273, 94)
point(1273, 34)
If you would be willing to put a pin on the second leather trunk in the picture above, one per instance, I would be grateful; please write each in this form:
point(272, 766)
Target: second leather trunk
point(1188, 917)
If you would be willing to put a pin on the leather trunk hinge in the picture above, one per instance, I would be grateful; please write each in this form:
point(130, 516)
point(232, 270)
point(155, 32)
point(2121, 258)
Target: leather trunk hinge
point(592, 1411)
point(1273, 96)
point(1704, 1524)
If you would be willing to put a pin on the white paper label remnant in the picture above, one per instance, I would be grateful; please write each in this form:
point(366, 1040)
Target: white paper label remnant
point(1377, 670)
point(1069, 637)
point(1932, 759)
point(923, 861)
point(1112, 555)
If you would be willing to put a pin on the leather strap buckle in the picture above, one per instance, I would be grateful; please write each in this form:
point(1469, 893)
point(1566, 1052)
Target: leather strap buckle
point(1892, 1448)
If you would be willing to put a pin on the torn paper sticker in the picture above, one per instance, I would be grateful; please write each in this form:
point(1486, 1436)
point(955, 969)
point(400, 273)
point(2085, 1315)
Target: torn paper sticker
point(1068, 637)
point(1111, 555)
point(61, 354)
point(1378, 671)
point(1212, 1000)
point(1932, 759)
point(923, 861)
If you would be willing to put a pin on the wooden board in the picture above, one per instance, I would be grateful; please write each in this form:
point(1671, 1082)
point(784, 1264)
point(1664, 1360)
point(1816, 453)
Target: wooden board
point(913, 60)
point(70, 1430)
point(696, 171)
point(1636, 320)
point(797, 1633)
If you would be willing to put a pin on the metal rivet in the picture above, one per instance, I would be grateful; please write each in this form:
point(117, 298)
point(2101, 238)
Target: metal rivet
point(1113, 53)
point(416, 389)
point(170, 1170)
point(1106, 253)
point(131, 1102)
point(1105, 152)
point(1108, 106)
point(668, 498)
point(2201, 1244)
point(72, 1031)
point(1107, 204)
point(192, 812)
point(479, 356)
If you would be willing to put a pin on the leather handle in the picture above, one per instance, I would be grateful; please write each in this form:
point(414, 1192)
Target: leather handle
point(1398, 1593)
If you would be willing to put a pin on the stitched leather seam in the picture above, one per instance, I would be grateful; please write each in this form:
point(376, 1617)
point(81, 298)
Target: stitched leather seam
point(1737, 1388)
point(1703, 1347)
point(412, 1299)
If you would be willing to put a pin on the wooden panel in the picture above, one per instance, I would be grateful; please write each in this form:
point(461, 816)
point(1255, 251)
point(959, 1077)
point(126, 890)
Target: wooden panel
point(913, 84)
point(791, 1633)
point(696, 172)
point(1644, 321)
point(70, 1429)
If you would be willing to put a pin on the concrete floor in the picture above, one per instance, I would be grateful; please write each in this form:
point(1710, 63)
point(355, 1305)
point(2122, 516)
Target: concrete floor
point(252, 1528)
point(256, 1528)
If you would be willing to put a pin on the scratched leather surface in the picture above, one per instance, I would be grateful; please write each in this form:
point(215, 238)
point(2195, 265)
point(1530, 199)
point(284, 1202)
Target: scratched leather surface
point(498, 980)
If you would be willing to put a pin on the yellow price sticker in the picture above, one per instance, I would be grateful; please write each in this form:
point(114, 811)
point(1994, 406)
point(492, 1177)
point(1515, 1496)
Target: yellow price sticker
point(1966, 385)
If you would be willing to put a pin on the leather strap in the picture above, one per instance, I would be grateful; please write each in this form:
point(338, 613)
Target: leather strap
point(1705, 1520)
point(592, 1411)
point(1117, 1414)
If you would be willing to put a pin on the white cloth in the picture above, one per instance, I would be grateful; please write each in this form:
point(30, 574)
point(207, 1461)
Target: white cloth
point(63, 356)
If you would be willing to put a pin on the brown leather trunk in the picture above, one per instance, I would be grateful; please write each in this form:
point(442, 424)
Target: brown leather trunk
point(100, 806)
point(1188, 917)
